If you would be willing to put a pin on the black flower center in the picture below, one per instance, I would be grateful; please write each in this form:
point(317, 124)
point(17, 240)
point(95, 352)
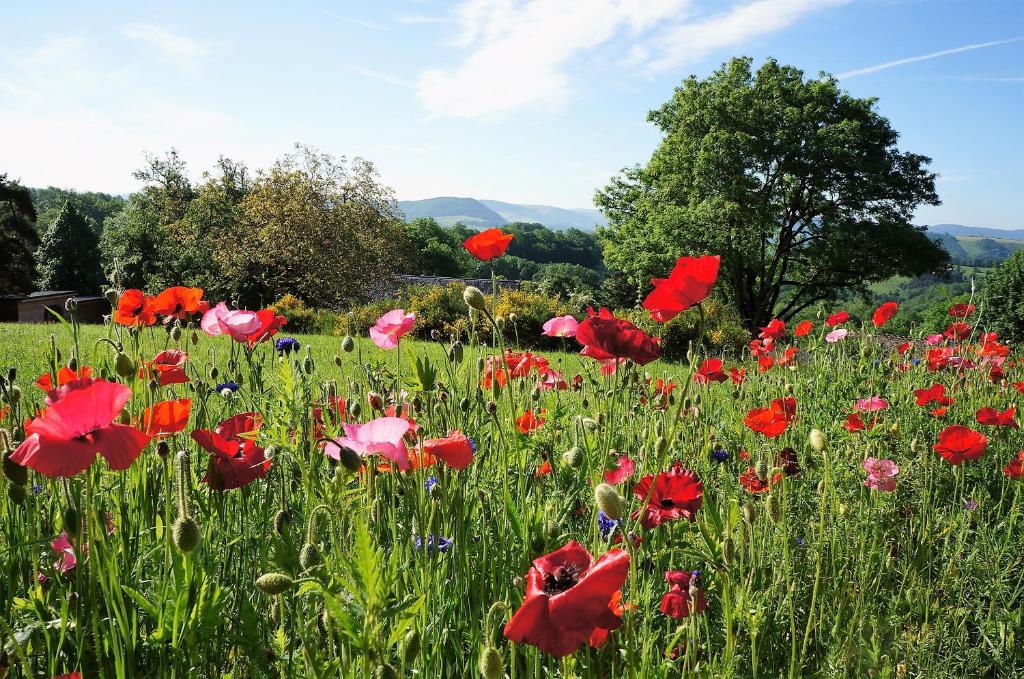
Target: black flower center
point(561, 579)
point(667, 503)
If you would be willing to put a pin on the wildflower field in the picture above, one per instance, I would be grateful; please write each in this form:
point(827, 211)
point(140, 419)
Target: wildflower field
point(192, 491)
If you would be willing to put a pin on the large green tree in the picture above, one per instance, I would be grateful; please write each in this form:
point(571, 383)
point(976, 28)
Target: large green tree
point(69, 256)
point(18, 238)
point(1004, 298)
point(799, 186)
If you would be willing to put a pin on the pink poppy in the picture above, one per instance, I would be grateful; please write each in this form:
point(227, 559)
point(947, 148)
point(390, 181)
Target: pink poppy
point(881, 474)
point(836, 335)
point(932, 340)
point(872, 404)
point(66, 560)
point(624, 468)
point(561, 326)
point(237, 323)
point(390, 327)
point(65, 439)
point(384, 436)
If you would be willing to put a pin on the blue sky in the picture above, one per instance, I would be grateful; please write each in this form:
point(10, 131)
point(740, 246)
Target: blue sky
point(536, 101)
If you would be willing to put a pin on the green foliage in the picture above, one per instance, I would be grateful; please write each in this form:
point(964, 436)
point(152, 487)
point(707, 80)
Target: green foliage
point(1004, 297)
point(577, 285)
point(18, 238)
point(799, 186)
point(95, 206)
point(302, 318)
point(435, 251)
point(69, 257)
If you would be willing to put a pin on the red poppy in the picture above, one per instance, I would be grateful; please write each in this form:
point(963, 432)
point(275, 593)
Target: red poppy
point(488, 244)
point(957, 331)
point(1015, 468)
point(544, 469)
point(235, 459)
point(933, 394)
point(752, 482)
point(669, 496)
point(529, 421)
point(66, 437)
point(989, 415)
point(623, 469)
point(854, 423)
point(64, 375)
point(606, 337)
point(166, 417)
point(765, 363)
point(737, 375)
point(134, 308)
point(837, 318)
point(904, 348)
point(803, 328)
point(689, 284)
point(938, 412)
point(567, 598)
point(774, 419)
point(776, 329)
point(1019, 386)
point(167, 367)
point(884, 313)
point(677, 602)
point(962, 310)
point(788, 461)
point(178, 302)
point(334, 411)
point(456, 449)
point(710, 371)
point(600, 635)
point(958, 443)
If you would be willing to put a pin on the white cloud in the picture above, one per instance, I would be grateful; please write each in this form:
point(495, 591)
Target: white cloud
point(415, 19)
point(383, 76)
point(179, 49)
point(925, 57)
point(519, 50)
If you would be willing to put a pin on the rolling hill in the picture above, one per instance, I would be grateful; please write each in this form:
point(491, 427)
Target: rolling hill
point(490, 213)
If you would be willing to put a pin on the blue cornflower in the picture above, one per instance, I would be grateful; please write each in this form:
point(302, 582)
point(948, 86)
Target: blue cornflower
point(441, 544)
point(720, 454)
point(37, 489)
point(230, 386)
point(915, 361)
point(430, 483)
point(970, 505)
point(607, 526)
point(799, 542)
point(287, 345)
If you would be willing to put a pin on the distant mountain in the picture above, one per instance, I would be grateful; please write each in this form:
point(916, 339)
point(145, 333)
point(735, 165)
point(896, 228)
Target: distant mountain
point(551, 217)
point(491, 213)
point(448, 210)
point(977, 231)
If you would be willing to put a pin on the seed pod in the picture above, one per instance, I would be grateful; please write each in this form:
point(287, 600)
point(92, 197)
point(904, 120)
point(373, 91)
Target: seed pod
point(274, 583)
point(185, 534)
point(818, 440)
point(609, 501)
point(490, 664)
point(348, 344)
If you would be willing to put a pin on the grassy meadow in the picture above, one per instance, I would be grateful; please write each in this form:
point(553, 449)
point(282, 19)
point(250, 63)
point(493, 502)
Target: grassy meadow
point(804, 569)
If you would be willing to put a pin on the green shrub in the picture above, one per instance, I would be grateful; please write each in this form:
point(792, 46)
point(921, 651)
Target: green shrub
point(301, 318)
point(1004, 298)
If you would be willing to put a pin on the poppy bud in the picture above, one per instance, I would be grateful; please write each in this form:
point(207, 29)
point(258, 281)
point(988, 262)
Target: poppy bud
point(16, 493)
point(375, 401)
point(589, 423)
point(274, 583)
point(473, 298)
point(817, 440)
point(500, 322)
point(895, 429)
point(214, 372)
point(914, 445)
point(309, 557)
point(728, 551)
point(71, 522)
point(573, 457)
point(456, 352)
point(464, 405)
point(354, 387)
point(282, 520)
point(750, 513)
point(350, 459)
point(774, 509)
point(176, 333)
point(185, 534)
point(124, 417)
point(154, 385)
point(535, 394)
point(491, 665)
point(12, 374)
point(307, 364)
point(111, 296)
point(762, 468)
point(14, 394)
point(385, 671)
point(411, 646)
point(609, 501)
point(73, 362)
point(660, 446)
point(163, 450)
point(71, 305)
point(348, 344)
point(194, 337)
point(14, 472)
point(491, 407)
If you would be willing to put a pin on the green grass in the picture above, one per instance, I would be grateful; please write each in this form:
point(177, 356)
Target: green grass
point(819, 577)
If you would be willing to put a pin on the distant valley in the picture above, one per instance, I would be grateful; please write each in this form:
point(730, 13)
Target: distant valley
point(472, 212)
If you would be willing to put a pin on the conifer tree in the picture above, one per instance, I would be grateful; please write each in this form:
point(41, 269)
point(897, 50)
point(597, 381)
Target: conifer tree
point(69, 255)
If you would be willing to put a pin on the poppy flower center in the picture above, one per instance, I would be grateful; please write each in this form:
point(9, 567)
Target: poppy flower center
point(667, 503)
point(563, 578)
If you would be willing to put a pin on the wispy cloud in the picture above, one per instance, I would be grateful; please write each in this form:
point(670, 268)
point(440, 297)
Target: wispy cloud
point(179, 49)
point(519, 51)
point(383, 76)
point(925, 57)
point(363, 23)
point(413, 19)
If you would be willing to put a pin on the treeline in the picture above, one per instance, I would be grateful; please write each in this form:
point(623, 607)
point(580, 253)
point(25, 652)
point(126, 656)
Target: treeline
point(319, 228)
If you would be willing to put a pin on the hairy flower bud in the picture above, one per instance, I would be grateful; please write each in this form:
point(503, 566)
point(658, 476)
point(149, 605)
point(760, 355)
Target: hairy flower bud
point(818, 440)
point(185, 534)
point(474, 298)
point(14, 472)
point(274, 583)
point(348, 344)
point(774, 508)
point(309, 557)
point(609, 501)
point(573, 457)
point(490, 664)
